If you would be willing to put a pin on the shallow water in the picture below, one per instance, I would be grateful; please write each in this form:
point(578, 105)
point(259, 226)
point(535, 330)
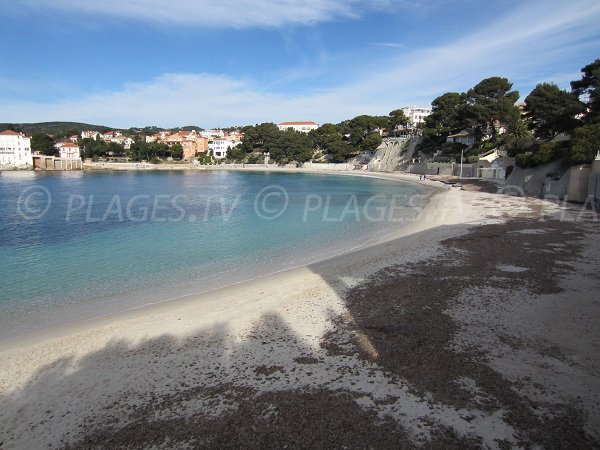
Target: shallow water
point(78, 244)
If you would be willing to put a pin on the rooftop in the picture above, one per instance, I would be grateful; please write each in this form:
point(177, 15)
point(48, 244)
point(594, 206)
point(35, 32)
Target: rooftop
point(9, 133)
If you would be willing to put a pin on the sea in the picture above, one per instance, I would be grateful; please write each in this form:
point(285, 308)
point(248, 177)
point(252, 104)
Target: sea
point(77, 245)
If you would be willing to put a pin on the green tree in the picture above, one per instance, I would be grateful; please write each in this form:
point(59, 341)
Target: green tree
point(41, 142)
point(589, 89)
point(517, 136)
point(489, 101)
point(585, 144)
point(176, 151)
point(114, 149)
point(291, 146)
point(259, 137)
point(396, 118)
point(445, 117)
point(551, 111)
point(362, 132)
point(329, 139)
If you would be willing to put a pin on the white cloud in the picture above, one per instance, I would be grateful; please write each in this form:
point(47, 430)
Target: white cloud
point(214, 14)
point(523, 49)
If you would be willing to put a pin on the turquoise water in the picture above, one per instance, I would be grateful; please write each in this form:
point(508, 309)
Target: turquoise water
point(77, 244)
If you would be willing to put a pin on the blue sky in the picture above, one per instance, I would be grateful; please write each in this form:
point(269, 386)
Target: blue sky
point(126, 63)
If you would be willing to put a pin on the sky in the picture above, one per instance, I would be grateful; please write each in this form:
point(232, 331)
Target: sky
point(168, 63)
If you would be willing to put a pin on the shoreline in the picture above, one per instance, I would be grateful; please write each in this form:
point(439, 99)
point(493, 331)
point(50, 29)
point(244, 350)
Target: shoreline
point(211, 369)
point(90, 313)
point(81, 324)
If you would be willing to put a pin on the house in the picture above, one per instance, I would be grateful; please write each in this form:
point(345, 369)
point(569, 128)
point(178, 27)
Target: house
point(109, 135)
point(15, 150)
point(302, 127)
point(235, 136)
point(192, 142)
point(464, 137)
point(415, 114)
point(90, 135)
point(74, 138)
point(125, 141)
point(158, 136)
point(68, 150)
point(210, 134)
point(220, 146)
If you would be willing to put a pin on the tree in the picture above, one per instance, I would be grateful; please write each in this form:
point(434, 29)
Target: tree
point(328, 138)
point(489, 101)
point(589, 88)
point(114, 149)
point(41, 142)
point(94, 148)
point(176, 151)
point(397, 118)
point(551, 111)
point(362, 132)
point(445, 117)
point(259, 137)
point(517, 136)
point(291, 146)
point(585, 144)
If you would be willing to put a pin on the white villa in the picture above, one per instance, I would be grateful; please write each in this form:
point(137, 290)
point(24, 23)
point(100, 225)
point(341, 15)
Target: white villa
point(68, 150)
point(220, 146)
point(15, 149)
point(303, 127)
point(416, 114)
point(89, 134)
point(125, 141)
point(210, 134)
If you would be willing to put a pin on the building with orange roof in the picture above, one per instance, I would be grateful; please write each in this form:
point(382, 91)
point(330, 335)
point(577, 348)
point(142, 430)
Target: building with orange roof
point(302, 127)
point(68, 150)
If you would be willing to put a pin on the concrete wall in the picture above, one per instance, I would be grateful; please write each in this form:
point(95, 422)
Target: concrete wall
point(491, 173)
point(577, 187)
point(536, 181)
point(328, 166)
point(594, 184)
point(53, 163)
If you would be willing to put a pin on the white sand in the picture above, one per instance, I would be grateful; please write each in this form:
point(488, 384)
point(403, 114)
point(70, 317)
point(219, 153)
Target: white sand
point(55, 383)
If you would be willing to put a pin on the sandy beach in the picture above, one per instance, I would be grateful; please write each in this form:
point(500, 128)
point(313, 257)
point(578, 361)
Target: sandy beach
point(474, 326)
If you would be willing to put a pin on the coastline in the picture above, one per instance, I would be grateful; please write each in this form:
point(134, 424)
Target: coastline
point(43, 324)
point(430, 189)
point(267, 335)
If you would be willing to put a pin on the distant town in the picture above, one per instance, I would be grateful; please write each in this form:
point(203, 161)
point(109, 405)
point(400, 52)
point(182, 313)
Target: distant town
point(61, 151)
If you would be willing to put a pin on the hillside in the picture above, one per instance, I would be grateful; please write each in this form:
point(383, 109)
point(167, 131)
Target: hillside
point(53, 127)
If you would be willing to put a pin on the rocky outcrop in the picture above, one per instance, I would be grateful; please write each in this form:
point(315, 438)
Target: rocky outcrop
point(393, 155)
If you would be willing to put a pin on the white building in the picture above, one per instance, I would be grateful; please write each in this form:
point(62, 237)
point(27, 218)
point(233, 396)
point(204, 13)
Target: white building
point(15, 149)
point(68, 150)
point(125, 141)
point(416, 114)
point(220, 146)
point(89, 135)
point(303, 127)
point(210, 134)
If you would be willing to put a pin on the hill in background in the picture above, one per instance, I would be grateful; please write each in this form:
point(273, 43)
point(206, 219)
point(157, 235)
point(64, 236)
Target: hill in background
point(55, 128)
